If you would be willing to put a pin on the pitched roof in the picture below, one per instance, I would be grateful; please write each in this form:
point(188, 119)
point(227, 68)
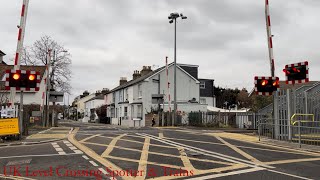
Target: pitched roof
point(135, 81)
point(100, 97)
point(2, 53)
point(3, 68)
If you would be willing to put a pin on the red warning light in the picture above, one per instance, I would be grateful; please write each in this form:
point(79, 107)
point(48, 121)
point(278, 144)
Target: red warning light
point(264, 82)
point(32, 77)
point(16, 76)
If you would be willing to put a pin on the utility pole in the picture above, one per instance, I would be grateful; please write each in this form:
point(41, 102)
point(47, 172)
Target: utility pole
point(173, 17)
point(48, 86)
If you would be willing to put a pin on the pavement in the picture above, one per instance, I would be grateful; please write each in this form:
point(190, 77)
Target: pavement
point(99, 151)
point(40, 135)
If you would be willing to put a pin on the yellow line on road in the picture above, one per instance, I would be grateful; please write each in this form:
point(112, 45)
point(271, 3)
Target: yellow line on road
point(255, 140)
point(291, 161)
point(90, 137)
point(244, 154)
point(138, 142)
point(161, 154)
point(45, 136)
point(185, 160)
point(144, 158)
point(137, 161)
point(111, 145)
point(203, 142)
point(92, 154)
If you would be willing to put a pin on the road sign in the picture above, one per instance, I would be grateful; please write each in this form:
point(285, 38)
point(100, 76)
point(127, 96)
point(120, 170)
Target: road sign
point(9, 126)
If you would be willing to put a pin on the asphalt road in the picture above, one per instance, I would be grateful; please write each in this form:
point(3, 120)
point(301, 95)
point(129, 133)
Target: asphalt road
point(95, 151)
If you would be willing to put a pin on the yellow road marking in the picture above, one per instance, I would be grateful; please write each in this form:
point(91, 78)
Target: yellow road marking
point(144, 158)
point(45, 136)
point(272, 150)
point(255, 140)
point(90, 137)
point(292, 161)
point(161, 154)
point(137, 161)
point(237, 136)
point(157, 145)
point(92, 154)
point(204, 142)
point(59, 131)
point(244, 154)
point(111, 145)
point(185, 160)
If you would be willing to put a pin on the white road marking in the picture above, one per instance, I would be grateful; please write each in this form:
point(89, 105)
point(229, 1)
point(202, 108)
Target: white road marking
point(102, 170)
point(66, 142)
point(73, 148)
point(42, 155)
point(56, 146)
point(85, 157)
point(228, 174)
point(93, 163)
point(78, 151)
point(206, 152)
point(54, 143)
point(59, 149)
point(62, 153)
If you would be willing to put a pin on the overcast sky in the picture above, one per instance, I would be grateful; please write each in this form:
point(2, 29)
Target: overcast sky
point(112, 38)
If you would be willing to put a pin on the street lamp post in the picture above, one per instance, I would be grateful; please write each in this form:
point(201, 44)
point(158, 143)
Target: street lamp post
point(173, 18)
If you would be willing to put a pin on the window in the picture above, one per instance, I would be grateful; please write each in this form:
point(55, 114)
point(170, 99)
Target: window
point(125, 111)
point(113, 97)
point(120, 96)
point(203, 101)
point(112, 112)
point(139, 91)
point(132, 111)
point(120, 112)
point(126, 97)
point(139, 111)
point(202, 85)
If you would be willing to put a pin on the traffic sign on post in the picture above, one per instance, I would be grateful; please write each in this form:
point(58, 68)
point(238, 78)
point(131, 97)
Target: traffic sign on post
point(266, 85)
point(23, 80)
point(297, 73)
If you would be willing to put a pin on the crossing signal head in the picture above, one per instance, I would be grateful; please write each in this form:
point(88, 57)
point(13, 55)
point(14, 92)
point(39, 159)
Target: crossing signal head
point(297, 72)
point(20, 79)
point(32, 77)
point(266, 85)
point(16, 76)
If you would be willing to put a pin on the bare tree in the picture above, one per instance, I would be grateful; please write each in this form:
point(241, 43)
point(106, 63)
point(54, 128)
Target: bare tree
point(60, 74)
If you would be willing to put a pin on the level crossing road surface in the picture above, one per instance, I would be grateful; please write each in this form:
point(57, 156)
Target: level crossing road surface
point(95, 151)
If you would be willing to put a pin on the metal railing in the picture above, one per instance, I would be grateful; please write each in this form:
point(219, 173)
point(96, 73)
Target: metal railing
point(301, 132)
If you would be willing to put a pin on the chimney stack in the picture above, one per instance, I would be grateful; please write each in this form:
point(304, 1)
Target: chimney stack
point(123, 80)
point(136, 74)
point(145, 70)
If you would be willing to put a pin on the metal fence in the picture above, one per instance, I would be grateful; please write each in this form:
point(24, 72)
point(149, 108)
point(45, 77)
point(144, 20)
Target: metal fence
point(301, 132)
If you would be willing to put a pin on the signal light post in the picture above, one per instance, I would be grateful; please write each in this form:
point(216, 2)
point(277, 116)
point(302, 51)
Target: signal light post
point(24, 81)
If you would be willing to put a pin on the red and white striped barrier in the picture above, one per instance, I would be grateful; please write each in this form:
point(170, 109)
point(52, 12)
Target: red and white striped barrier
point(296, 65)
point(37, 74)
point(264, 78)
point(269, 34)
point(168, 85)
